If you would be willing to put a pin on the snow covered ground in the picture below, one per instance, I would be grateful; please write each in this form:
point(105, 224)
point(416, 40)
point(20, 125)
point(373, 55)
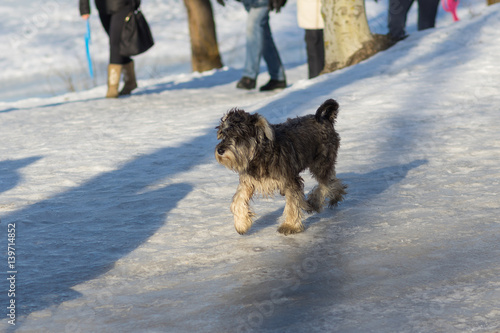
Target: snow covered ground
point(122, 213)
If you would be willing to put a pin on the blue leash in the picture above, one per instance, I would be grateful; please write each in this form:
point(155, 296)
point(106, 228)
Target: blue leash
point(87, 42)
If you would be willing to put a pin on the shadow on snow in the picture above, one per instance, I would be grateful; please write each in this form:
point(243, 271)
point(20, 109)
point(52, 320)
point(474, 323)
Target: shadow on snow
point(9, 175)
point(78, 235)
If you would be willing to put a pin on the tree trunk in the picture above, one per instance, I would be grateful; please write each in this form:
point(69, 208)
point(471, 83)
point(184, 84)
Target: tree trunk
point(348, 39)
point(204, 49)
point(491, 2)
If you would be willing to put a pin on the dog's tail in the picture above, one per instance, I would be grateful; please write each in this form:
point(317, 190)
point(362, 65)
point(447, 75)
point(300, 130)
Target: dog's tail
point(327, 111)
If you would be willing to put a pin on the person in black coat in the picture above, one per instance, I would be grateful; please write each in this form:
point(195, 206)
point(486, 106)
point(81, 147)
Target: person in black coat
point(112, 14)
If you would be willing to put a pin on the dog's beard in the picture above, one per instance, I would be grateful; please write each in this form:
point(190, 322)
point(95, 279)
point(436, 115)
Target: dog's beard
point(236, 158)
point(228, 159)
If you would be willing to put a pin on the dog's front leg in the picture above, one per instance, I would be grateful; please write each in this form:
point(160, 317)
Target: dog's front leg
point(241, 209)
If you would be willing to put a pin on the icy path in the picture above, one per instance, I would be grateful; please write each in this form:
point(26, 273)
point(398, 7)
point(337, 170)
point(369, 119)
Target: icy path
point(123, 219)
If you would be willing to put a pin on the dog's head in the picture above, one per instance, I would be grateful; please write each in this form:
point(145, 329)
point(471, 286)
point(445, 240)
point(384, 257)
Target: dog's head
point(241, 133)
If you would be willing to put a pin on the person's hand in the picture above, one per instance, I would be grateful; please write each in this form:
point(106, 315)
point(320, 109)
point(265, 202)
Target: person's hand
point(221, 2)
point(276, 5)
point(86, 16)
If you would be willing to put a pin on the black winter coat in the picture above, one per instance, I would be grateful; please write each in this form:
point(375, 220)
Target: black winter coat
point(108, 6)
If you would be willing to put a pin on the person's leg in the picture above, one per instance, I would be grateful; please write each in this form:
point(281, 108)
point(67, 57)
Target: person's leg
point(115, 33)
point(398, 9)
point(270, 52)
point(427, 11)
point(254, 41)
point(114, 70)
point(315, 51)
point(116, 60)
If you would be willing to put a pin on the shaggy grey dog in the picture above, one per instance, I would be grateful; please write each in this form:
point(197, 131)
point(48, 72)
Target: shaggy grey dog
point(271, 157)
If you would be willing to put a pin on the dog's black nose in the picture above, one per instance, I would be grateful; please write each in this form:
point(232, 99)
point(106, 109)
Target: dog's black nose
point(220, 151)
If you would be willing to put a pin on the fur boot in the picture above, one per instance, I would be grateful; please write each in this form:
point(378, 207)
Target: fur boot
point(128, 78)
point(114, 71)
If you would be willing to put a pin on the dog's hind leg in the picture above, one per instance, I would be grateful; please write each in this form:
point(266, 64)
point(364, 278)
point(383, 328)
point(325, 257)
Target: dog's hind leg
point(333, 189)
point(295, 202)
point(323, 170)
point(241, 209)
point(336, 191)
point(316, 197)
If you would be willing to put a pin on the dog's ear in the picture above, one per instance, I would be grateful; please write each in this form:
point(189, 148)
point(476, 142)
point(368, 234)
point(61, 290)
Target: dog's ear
point(263, 128)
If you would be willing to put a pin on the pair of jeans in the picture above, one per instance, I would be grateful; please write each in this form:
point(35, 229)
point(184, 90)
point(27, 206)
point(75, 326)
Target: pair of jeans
point(398, 10)
point(260, 43)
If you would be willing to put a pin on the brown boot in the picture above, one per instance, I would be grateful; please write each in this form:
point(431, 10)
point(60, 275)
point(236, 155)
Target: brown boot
point(128, 78)
point(114, 71)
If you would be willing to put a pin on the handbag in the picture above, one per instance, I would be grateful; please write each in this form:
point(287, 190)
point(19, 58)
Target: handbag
point(136, 37)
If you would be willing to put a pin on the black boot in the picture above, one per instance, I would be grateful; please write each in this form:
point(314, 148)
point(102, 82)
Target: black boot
point(395, 39)
point(246, 83)
point(273, 84)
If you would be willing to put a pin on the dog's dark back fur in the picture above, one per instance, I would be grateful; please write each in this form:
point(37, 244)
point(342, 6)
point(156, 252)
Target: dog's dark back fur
point(295, 148)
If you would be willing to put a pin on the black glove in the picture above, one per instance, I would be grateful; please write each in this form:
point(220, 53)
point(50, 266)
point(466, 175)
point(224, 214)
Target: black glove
point(276, 4)
point(221, 2)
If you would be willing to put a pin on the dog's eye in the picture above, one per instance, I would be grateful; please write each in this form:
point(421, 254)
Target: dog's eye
point(222, 133)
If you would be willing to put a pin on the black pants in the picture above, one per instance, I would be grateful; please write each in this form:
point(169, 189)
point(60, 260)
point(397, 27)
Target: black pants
point(315, 51)
point(113, 24)
point(398, 9)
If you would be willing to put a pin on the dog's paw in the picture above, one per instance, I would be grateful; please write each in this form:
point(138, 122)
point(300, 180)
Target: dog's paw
point(241, 232)
point(335, 200)
point(286, 229)
point(241, 229)
point(313, 206)
point(242, 224)
point(336, 192)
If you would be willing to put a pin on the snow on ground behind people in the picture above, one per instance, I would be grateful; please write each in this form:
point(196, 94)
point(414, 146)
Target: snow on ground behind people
point(123, 221)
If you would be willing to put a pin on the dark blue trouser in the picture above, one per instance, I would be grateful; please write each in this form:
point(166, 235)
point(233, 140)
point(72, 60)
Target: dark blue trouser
point(315, 47)
point(398, 9)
